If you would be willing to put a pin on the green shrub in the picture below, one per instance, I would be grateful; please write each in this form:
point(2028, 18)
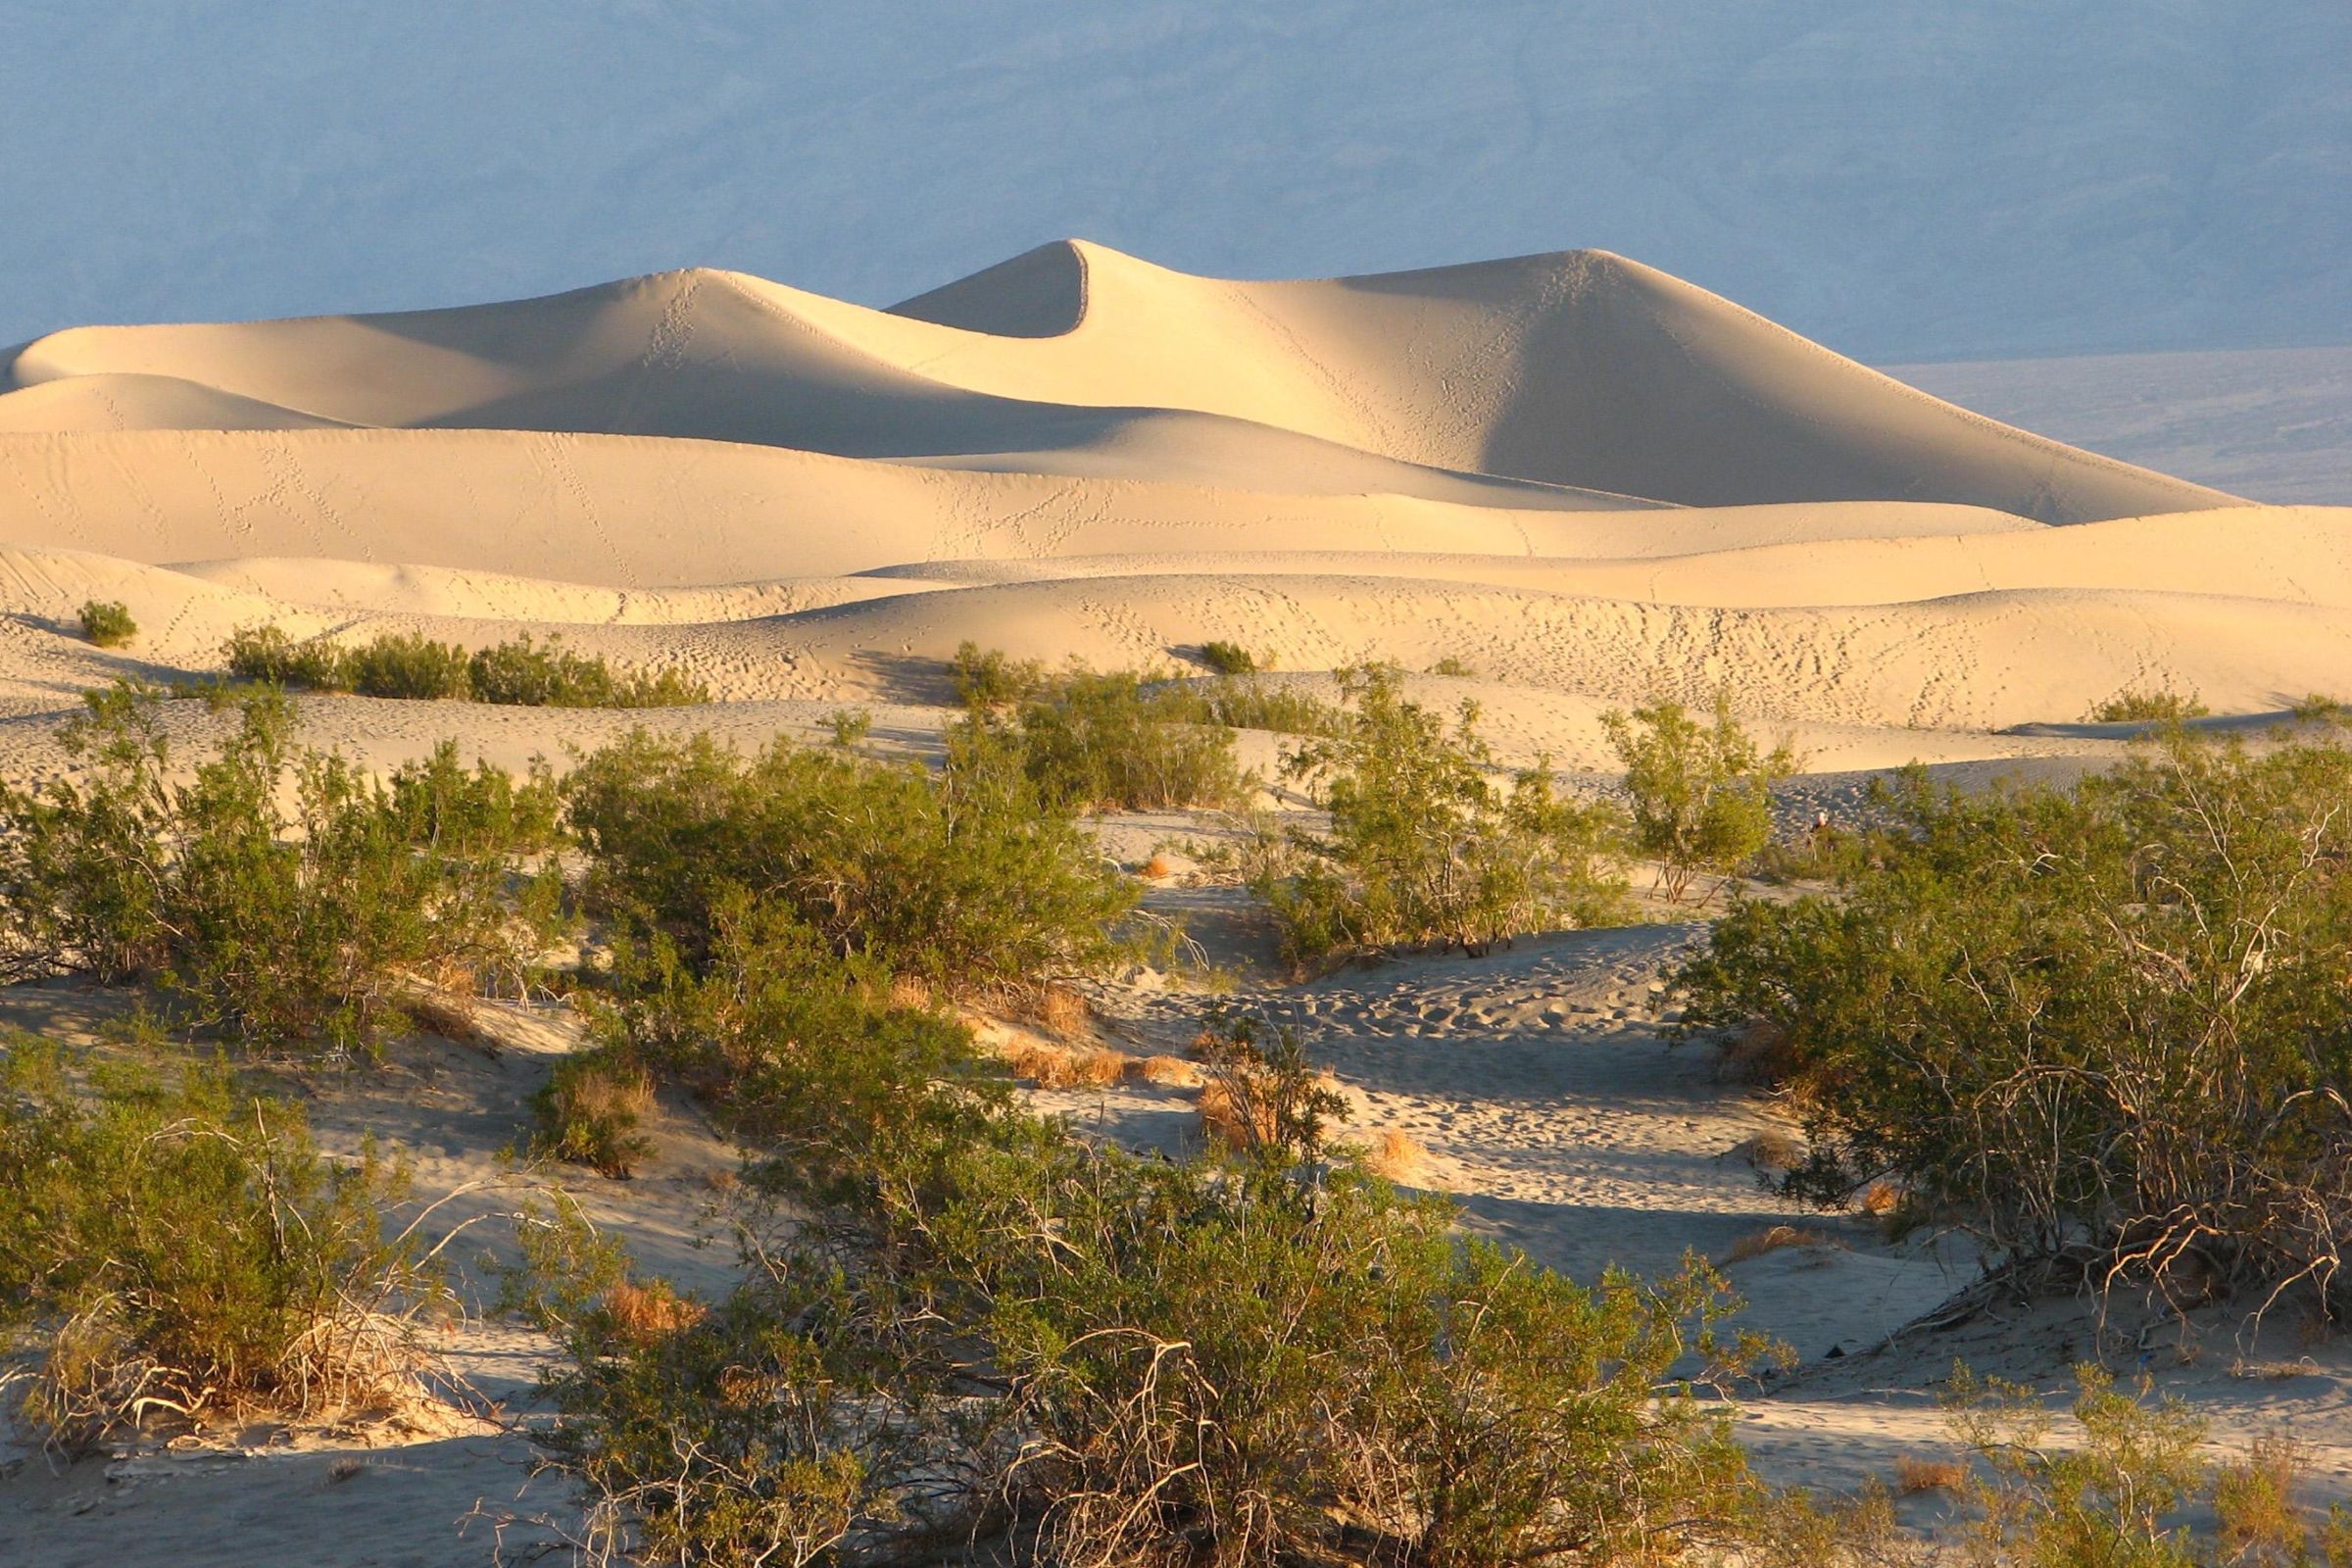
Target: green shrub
point(991, 679)
point(2317, 705)
point(1228, 659)
point(1424, 848)
point(266, 654)
point(1451, 665)
point(1248, 1364)
point(172, 1249)
point(518, 672)
point(1250, 703)
point(303, 927)
point(2149, 708)
point(1702, 789)
point(1089, 741)
point(963, 878)
point(2106, 1026)
point(108, 622)
point(523, 673)
point(588, 1110)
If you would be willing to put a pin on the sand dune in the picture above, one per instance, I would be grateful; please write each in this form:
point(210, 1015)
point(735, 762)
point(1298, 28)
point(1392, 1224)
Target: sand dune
point(1575, 476)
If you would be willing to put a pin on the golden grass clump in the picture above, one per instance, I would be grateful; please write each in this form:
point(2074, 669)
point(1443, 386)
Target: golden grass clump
point(910, 991)
point(643, 1314)
point(1772, 1238)
point(1063, 1012)
point(1758, 1052)
point(1168, 1072)
point(1232, 1122)
point(1397, 1156)
point(1880, 1198)
point(1914, 1474)
point(1050, 1067)
point(1158, 868)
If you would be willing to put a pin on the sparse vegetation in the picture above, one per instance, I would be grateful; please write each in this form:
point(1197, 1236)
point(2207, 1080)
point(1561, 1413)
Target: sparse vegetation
point(174, 1250)
point(1108, 741)
point(1701, 789)
point(107, 623)
point(520, 672)
point(964, 879)
point(589, 1109)
point(304, 928)
point(1424, 848)
point(2149, 708)
point(2104, 1027)
point(1228, 659)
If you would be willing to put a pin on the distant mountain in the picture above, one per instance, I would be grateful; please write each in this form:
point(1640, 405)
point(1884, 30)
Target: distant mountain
point(1900, 181)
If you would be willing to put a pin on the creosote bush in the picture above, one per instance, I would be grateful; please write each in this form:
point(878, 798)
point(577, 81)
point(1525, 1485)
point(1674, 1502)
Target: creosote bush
point(977, 1324)
point(1425, 847)
point(964, 878)
point(519, 673)
point(108, 622)
point(1701, 789)
point(1227, 657)
point(2149, 708)
point(302, 928)
point(1088, 741)
point(174, 1249)
point(588, 1111)
point(2105, 1026)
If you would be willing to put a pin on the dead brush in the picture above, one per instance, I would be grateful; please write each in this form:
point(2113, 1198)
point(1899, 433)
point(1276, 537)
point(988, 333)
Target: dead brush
point(1166, 1072)
point(643, 1314)
point(1063, 1012)
point(1914, 1474)
point(1397, 1156)
point(1774, 1238)
point(589, 1110)
point(1050, 1067)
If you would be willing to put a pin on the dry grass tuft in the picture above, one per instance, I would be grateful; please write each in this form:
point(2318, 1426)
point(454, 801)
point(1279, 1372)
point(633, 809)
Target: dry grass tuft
point(1772, 1152)
point(1397, 1156)
point(1226, 1120)
point(1169, 1072)
point(1758, 1053)
point(1772, 1238)
point(1051, 1067)
point(910, 990)
point(1914, 1474)
point(1158, 868)
point(1063, 1011)
point(644, 1315)
point(1881, 1198)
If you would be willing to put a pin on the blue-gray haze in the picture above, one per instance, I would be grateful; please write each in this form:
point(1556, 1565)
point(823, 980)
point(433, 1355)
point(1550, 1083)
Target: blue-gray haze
point(1902, 179)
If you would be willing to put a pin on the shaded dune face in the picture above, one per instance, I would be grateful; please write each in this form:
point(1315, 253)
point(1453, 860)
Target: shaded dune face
point(1570, 473)
point(1579, 370)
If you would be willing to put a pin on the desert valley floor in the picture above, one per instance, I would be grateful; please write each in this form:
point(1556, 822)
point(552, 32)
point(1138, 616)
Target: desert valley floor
point(1582, 481)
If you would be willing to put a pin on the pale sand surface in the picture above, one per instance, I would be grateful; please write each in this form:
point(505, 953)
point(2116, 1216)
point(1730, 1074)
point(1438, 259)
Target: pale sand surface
point(1582, 480)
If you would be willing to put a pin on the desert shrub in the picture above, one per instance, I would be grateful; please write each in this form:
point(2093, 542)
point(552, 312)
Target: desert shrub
point(108, 622)
point(274, 926)
point(1262, 1098)
point(588, 1110)
point(1424, 847)
point(2149, 708)
point(2316, 706)
point(1228, 659)
point(972, 1322)
point(522, 673)
point(266, 654)
point(1451, 665)
point(963, 878)
point(2104, 1027)
point(172, 1247)
point(1702, 789)
point(991, 679)
point(407, 666)
point(518, 672)
point(1091, 741)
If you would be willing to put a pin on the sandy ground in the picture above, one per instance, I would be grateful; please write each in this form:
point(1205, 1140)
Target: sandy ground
point(1582, 481)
